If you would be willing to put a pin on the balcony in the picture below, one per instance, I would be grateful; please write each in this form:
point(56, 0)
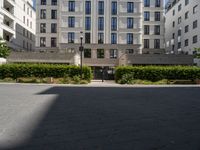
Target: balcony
point(8, 37)
point(8, 6)
point(8, 25)
point(8, 10)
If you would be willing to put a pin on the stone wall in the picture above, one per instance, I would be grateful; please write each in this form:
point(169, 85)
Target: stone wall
point(159, 59)
point(125, 59)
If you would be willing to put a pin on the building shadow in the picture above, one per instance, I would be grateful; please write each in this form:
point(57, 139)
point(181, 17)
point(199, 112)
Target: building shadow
point(119, 119)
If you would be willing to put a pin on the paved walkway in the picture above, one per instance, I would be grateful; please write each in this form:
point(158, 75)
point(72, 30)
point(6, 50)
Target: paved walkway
point(48, 117)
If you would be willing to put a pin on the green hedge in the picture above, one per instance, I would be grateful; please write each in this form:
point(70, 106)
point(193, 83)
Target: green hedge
point(43, 70)
point(156, 73)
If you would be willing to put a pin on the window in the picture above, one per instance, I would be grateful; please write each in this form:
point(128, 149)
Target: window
point(100, 53)
point(24, 7)
point(43, 14)
point(130, 7)
point(173, 13)
point(53, 28)
point(157, 29)
point(87, 7)
point(31, 47)
point(130, 23)
point(24, 32)
point(53, 42)
point(53, 2)
point(27, 34)
point(114, 23)
point(173, 24)
point(173, 36)
point(146, 43)
point(179, 7)
point(100, 38)
point(87, 53)
point(186, 2)
point(173, 47)
point(27, 45)
point(43, 28)
point(195, 24)
point(179, 32)
point(71, 22)
point(146, 29)
point(195, 9)
point(146, 16)
point(157, 3)
point(28, 11)
point(179, 45)
point(129, 38)
point(186, 28)
point(87, 23)
point(71, 37)
point(186, 42)
point(129, 51)
point(53, 14)
point(23, 44)
point(101, 7)
point(101, 24)
point(179, 20)
point(195, 39)
point(157, 16)
point(43, 2)
point(114, 8)
point(146, 3)
point(71, 6)
point(31, 36)
point(157, 43)
point(87, 38)
point(187, 15)
point(42, 42)
point(113, 53)
point(113, 38)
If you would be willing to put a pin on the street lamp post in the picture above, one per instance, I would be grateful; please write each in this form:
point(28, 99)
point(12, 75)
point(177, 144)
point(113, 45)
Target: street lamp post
point(81, 48)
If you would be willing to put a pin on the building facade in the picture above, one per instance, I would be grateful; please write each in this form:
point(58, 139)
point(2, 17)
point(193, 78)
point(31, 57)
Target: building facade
point(132, 25)
point(17, 24)
point(153, 26)
point(110, 29)
point(182, 26)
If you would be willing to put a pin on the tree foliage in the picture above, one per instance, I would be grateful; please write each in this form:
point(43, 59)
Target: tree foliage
point(4, 49)
point(197, 52)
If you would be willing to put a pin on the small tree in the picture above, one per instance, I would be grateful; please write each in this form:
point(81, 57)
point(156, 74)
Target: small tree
point(4, 49)
point(197, 52)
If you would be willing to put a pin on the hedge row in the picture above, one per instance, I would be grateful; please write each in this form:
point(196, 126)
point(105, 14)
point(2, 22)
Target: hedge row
point(43, 70)
point(156, 73)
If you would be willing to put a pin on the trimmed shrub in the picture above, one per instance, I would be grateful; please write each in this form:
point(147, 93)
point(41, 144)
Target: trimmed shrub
point(42, 71)
point(156, 73)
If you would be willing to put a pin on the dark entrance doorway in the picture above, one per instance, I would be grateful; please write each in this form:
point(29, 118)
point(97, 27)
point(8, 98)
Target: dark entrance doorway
point(105, 72)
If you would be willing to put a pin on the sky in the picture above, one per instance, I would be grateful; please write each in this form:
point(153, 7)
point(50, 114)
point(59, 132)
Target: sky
point(34, 3)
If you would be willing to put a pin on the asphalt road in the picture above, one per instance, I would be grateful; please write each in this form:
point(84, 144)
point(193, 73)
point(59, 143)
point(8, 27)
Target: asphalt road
point(44, 117)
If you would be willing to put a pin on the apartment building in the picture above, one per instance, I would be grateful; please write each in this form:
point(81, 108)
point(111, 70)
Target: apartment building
point(106, 24)
point(17, 24)
point(182, 26)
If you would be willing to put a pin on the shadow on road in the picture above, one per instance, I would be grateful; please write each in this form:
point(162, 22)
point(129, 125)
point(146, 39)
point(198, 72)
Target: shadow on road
point(119, 119)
